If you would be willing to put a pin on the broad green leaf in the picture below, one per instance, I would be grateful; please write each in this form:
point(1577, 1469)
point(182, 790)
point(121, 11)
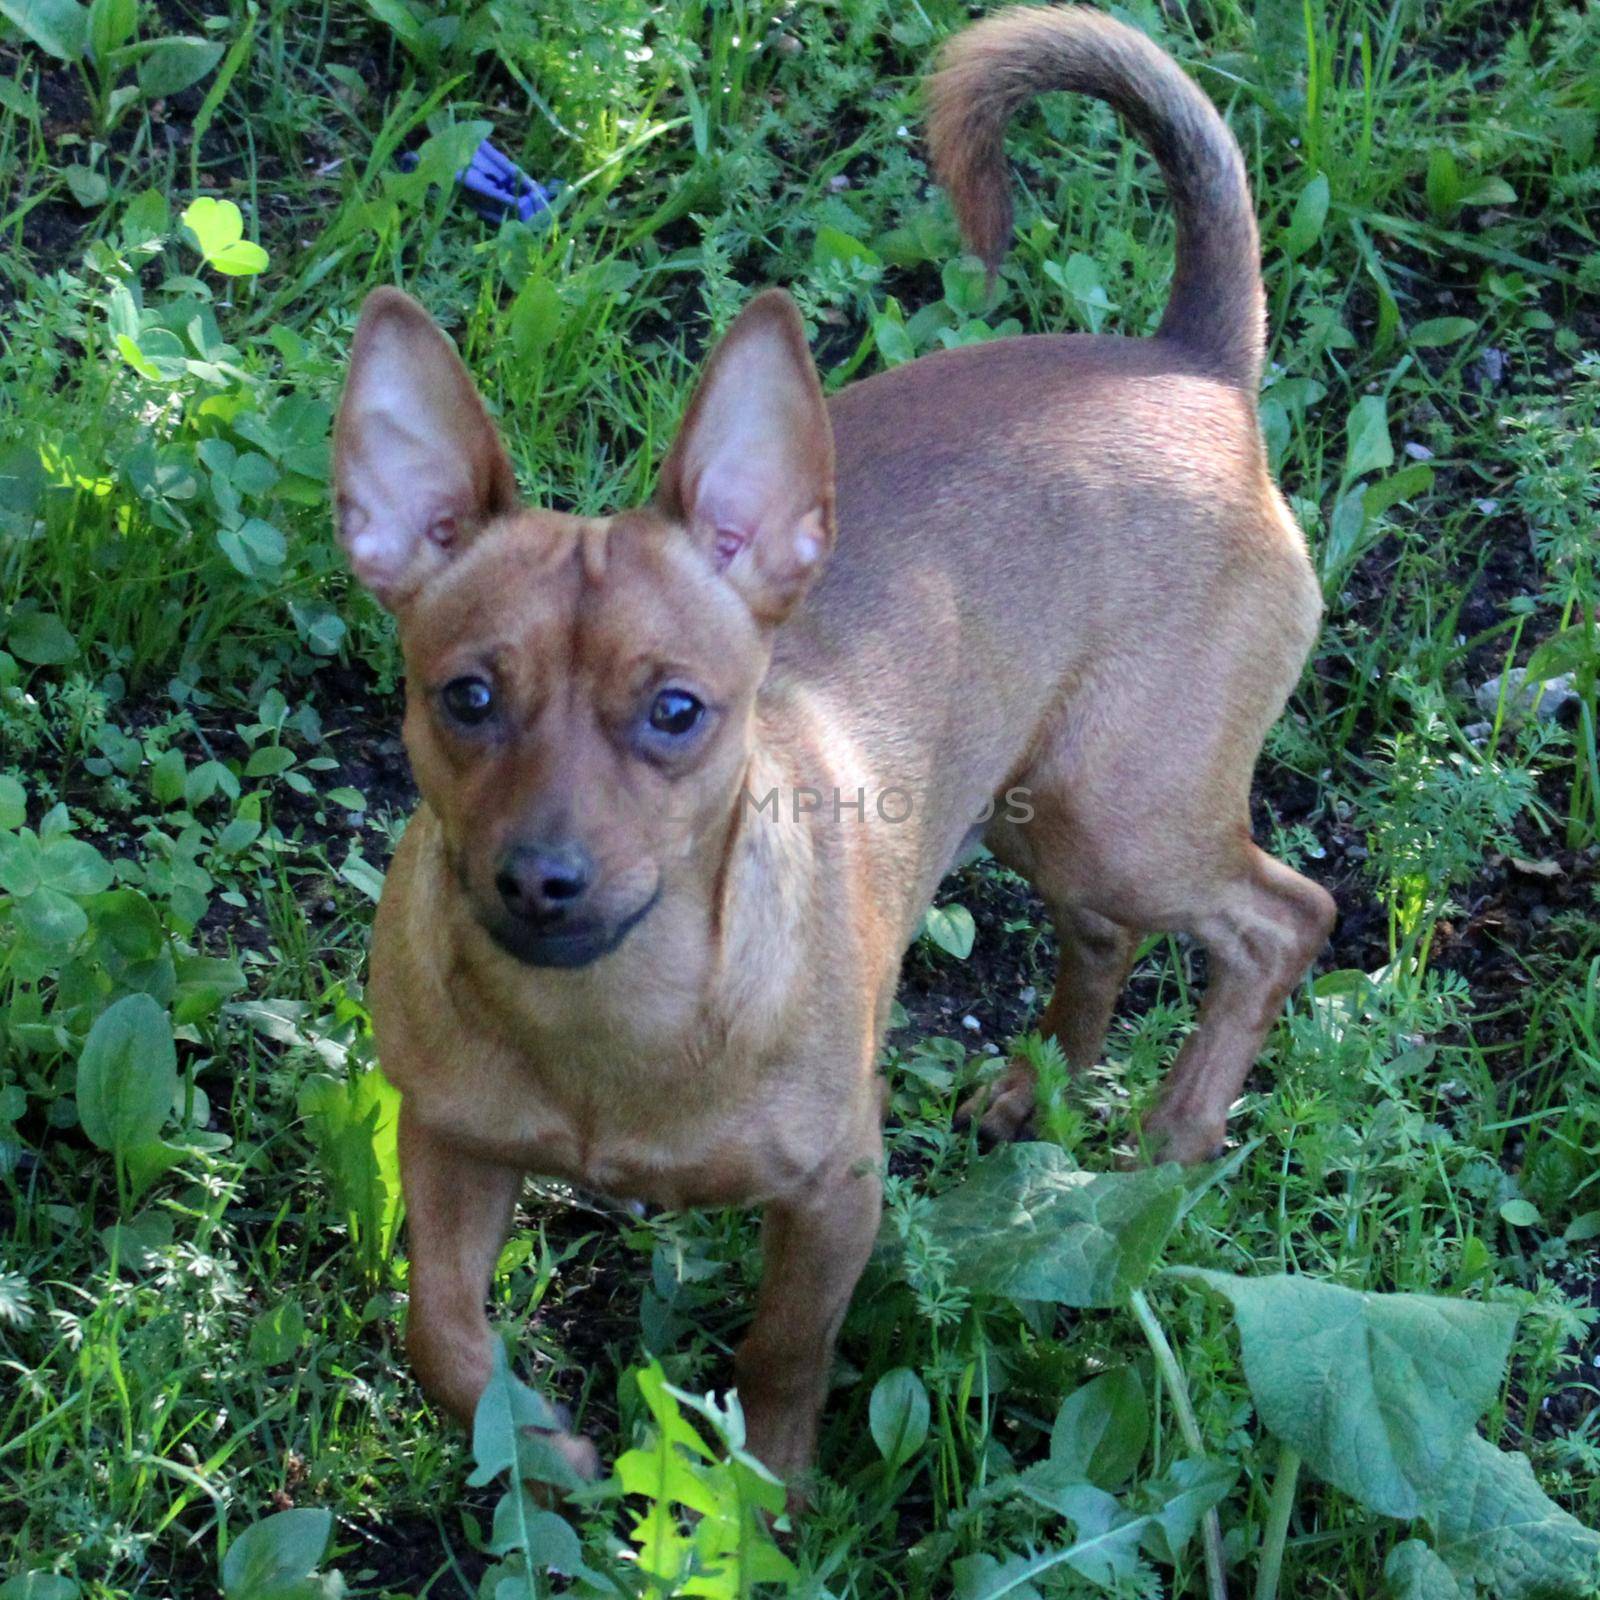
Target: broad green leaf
point(1306, 223)
point(1406, 484)
point(1376, 1391)
point(443, 154)
point(89, 188)
point(965, 280)
point(667, 1414)
point(520, 1524)
point(20, 857)
point(218, 229)
point(1080, 277)
point(552, 1543)
point(255, 548)
point(59, 27)
point(13, 803)
point(175, 64)
point(833, 244)
point(1520, 1213)
point(138, 1242)
point(1369, 448)
point(275, 1553)
point(1570, 650)
point(1443, 186)
point(1029, 1225)
point(1490, 191)
point(893, 342)
point(52, 920)
point(536, 317)
point(21, 103)
point(322, 628)
point(355, 1123)
point(1101, 1429)
point(951, 928)
point(1414, 1572)
point(136, 358)
point(41, 639)
point(127, 1074)
point(149, 1160)
point(1105, 1547)
point(506, 1432)
point(986, 1577)
point(209, 778)
point(277, 1334)
point(729, 1551)
point(268, 760)
point(1174, 1505)
point(1583, 1228)
point(1438, 331)
point(125, 920)
point(74, 867)
point(111, 25)
point(898, 1415)
point(39, 1585)
point(360, 874)
point(204, 982)
point(1495, 1527)
point(167, 777)
point(1164, 1520)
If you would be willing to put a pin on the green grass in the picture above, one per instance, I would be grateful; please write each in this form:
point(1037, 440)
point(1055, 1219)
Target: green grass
point(199, 1315)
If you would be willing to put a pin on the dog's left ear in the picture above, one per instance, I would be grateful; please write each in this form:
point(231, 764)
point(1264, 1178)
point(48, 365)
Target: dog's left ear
point(418, 468)
point(750, 475)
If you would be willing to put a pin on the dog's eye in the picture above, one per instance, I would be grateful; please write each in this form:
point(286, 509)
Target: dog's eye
point(675, 712)
point(468, 700)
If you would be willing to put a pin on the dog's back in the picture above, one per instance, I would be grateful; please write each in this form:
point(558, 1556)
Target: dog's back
point(1006, 508)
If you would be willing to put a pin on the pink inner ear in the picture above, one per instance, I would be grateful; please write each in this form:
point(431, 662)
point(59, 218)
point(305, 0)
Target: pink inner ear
point(729, 542)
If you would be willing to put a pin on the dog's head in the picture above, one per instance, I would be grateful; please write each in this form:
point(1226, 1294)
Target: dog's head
point(580, 690)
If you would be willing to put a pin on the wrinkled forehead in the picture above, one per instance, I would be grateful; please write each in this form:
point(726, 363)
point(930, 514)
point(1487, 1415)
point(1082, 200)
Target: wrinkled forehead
point(540, 592)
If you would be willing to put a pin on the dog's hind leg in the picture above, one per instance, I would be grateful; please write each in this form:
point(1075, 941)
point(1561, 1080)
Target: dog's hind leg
point(1261, 930)
point(1096, 955)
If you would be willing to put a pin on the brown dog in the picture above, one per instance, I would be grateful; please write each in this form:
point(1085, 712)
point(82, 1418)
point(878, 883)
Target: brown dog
point(643, 933)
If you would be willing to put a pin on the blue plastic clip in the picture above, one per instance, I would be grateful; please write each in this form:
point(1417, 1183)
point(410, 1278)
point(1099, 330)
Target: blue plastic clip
point(496, 186)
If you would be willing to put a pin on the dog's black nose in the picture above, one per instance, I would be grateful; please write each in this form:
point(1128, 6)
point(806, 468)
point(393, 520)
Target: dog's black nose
point(544, 882)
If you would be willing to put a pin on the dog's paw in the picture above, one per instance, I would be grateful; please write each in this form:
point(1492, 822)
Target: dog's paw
point(1190, 1141)
point(1005, 1109)
point(574, 1451)
point(579, 1452)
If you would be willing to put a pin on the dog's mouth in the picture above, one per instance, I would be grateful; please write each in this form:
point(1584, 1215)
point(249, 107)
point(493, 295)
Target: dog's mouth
point(565, 944)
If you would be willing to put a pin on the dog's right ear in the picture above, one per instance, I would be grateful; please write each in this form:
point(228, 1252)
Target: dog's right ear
point(417, 466)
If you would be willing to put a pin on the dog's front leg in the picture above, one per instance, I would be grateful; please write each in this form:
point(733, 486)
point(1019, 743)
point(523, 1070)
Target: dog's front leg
point(815, 1244)
point(458, 1212)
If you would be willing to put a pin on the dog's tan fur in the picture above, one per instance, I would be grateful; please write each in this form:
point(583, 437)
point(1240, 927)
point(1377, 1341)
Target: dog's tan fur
point(1060, 567)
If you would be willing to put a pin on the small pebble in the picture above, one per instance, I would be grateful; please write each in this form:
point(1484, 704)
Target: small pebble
point(972, 1025)
point(1545, 699)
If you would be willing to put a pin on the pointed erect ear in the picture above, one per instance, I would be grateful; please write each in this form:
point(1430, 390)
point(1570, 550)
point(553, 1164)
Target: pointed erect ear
point(750, 474)
point(417, 466)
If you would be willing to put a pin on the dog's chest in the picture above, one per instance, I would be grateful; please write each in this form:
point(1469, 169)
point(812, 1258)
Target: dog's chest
point(673, 1129)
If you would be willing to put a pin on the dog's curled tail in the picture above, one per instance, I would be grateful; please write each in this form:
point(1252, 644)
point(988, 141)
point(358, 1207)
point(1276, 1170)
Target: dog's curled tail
point(986, 72)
